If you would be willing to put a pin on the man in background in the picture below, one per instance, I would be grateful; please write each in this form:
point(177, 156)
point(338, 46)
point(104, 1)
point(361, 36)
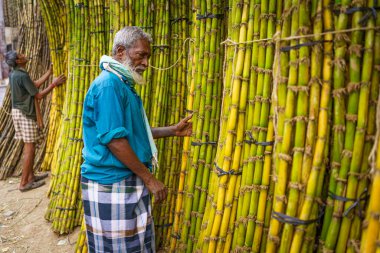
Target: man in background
point(26, 114)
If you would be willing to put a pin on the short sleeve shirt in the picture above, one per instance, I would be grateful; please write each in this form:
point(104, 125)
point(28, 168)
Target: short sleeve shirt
point(23, 91)
point(112, 109)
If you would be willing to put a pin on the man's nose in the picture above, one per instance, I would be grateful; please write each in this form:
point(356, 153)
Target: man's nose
point(145, 61)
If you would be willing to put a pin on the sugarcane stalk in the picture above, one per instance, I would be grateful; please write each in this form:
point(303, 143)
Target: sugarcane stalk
point(300, 129)
point(247, 171)
point(359, 139)
point(351, 119)
point(235, 123)
point(284, 158)
point(323, 119)
point(210, 211)
point(339, 120)
point(369, 235)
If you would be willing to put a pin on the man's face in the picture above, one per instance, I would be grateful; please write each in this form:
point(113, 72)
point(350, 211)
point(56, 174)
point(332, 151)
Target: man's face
point(138, 56)
point(21, 59)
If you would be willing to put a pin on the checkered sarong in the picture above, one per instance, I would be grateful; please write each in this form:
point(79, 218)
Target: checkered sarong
point(118, 216)
point(25, 129)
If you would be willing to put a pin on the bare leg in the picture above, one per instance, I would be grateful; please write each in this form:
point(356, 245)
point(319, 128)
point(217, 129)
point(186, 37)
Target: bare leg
point(27, 166)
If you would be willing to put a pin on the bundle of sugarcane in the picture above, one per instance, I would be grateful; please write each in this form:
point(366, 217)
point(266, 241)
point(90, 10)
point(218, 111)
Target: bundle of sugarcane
point(346, 193)
point(160, 86)
point(371, 234)
point(205, 106)
point(169, 165)
point(259, 132)
point(87, 35)
point(32, 42)
point(177, 222)
point(220, 215)
point(56, 33)
point(295, 147)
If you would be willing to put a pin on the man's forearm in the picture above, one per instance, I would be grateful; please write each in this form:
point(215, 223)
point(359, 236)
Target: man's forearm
point(42, 79)
point(161, 132)
point(123, 151)
point(46, 91)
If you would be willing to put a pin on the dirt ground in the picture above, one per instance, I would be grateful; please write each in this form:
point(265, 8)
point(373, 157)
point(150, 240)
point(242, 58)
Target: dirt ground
point(22, 224)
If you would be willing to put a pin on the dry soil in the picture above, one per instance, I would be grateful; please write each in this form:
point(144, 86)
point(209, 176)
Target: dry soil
point(22, 224)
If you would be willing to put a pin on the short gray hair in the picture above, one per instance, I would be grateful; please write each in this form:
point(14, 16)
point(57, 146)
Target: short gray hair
point(10, 59)
point(127, 36)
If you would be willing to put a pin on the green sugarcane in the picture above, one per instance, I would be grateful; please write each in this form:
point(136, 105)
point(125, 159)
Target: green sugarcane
point(314, 98)
point(58, 57)
point(267, 219)
point(339, 113)
point(62, 221)
point(323, 129)
point(281, 101)
point(264, 204)
point(262, 110)
point(307, 245)
point(205, 103)
point(178, 97)
point(359, 139)
point(352, 110)
point(230, 203)
point(210, 211)
point(162, 213)
point(185, 159)
point(190, 184)
point(62, 159)
point(247, 173)
point(233, 124)
point(300, 129)
point(368, 237)
point(228, 241)
point(284, 157)
point(214, 133)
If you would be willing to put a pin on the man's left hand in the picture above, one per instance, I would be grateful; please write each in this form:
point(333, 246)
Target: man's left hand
point(184, 127)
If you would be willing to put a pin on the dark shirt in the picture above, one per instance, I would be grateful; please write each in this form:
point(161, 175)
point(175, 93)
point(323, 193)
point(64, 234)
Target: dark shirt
point(23, 91)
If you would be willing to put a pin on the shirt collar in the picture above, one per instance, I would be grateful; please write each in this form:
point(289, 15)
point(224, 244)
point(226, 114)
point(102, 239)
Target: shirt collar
point(20, 69)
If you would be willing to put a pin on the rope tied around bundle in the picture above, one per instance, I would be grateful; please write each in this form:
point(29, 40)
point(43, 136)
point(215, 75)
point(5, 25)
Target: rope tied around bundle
point(220, 172)
point(283, 218)
point(207, 142)
point(210, 15)
point(357, 202)
point(259, 143)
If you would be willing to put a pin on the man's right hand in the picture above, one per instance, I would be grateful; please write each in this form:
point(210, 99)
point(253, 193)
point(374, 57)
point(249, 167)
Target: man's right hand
point(59, 80)
point(157, 188)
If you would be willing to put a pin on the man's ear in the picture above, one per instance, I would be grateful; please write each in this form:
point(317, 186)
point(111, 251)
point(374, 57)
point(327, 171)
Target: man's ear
point(120, 51)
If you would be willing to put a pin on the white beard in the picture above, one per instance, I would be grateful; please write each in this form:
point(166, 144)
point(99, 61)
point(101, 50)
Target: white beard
point(138, 78)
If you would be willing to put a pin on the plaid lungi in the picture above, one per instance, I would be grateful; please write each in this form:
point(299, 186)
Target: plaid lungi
point(118, 216)
point(26, 129)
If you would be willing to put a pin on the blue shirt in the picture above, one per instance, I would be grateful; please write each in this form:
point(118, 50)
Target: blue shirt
point(112, 109)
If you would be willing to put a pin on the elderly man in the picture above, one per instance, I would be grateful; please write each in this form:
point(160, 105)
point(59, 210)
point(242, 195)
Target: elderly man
point(119, 151)
point(25, 112)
